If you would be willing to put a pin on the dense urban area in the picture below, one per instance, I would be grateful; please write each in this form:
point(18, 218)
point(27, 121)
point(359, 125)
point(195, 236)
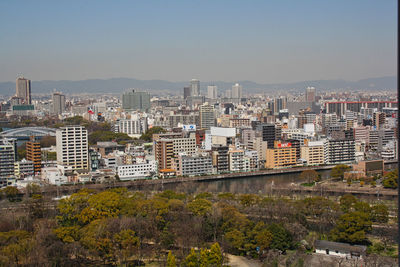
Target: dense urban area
point(82, 177)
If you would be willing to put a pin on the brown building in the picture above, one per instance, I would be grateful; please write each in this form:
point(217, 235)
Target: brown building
point(34, 154)
point(164, 153)
point(370, 167)
point(282, 155)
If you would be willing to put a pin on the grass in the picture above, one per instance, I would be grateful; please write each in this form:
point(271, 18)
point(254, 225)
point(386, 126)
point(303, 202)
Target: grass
point(308, 184)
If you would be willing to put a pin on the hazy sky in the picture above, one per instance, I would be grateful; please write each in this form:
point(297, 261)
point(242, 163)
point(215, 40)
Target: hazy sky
point(262, 41)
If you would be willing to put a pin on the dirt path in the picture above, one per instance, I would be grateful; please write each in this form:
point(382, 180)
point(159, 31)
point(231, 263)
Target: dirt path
point(238, 261)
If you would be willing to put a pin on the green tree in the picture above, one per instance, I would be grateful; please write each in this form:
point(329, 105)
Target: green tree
point(263, 239)
point(211, 257)
point(236, 239)
point(148, 135)
point(12, 193)
point(127, 242)
point(281, 238)
point(200, 206)
point(192, 260)
point(248, 200)
point(390, 179)
point(21, 151)
point(347, 202)
point(171, 262)
point(352, 228)
point(380, 213)
point(106, 204)
point(339, 170)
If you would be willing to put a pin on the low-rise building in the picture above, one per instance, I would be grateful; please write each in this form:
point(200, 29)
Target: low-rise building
point(339, 249)
point(23, 168)
point(137, 171)
point(196, 164)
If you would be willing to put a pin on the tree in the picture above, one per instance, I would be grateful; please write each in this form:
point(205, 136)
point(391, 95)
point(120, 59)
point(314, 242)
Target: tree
point(21, 151)
point(48, 141)
point(309, 176)
point(126, 242)
point(390, 179)
point(211, 257)
point(347, 202)
point(200, 206)
point(281, 238)
point(380, 213)
point(148, 135)
point(352, 228)
point(339, 170)
point(192, 260)
point(171, 262)
point(12, 193)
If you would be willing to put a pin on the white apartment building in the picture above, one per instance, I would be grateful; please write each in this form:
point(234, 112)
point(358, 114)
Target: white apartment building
point(137, 171)
point(197, 164)
point(184, 145)
point(339, 151)
point(133, 126)
point(238, 161)
point(72, 148)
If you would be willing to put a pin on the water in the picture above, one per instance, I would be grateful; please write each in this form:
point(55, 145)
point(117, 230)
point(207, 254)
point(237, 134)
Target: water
point(249, 185)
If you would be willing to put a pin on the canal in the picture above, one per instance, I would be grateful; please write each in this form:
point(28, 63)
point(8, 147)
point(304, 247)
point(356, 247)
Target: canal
point(246, 185)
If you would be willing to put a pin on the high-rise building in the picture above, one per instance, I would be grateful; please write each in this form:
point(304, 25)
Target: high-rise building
point(136, 101)
point(195, 86)
point(164, 153)
point(134, 125)
point(220, 158)
point(278, 104)
point(8, 154)
point(58, 103)
point(339, 151)
point(34, 154)
point(187, 91)
point(237, 91)
point(72, 148)
point(23, 88)
point(268, 133)
point(212, 91)
point(313, 152)
point(379, 119)
point(207, 119)
point(281, 155)
point(310, 94)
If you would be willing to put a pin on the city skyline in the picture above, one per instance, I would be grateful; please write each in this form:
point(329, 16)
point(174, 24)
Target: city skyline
point(267, 42)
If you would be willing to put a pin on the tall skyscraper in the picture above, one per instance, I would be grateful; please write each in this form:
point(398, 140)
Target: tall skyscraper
point(268, 133)
point(207, 119)
point(310, 94)
point(58, 103)
point(34, 154)
point(212, 91)
point(237, 91)
point(72, 148)
point(8, 152)
point(136, 101)
point(187, 91)
point(195, 85)
point(23, 88)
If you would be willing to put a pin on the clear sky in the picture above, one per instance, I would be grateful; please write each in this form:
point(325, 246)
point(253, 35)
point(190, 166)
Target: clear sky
point(263, 41)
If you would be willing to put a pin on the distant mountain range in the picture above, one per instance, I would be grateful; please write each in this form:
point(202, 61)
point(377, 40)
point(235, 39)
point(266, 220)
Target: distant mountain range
point(118, 85)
